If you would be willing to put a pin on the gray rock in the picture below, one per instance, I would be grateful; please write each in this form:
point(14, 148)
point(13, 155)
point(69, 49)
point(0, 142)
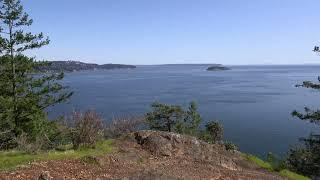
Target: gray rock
point(45, 175)
point(171, 144)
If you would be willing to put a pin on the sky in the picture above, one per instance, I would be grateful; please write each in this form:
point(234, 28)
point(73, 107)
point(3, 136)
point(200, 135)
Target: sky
point(230, 32)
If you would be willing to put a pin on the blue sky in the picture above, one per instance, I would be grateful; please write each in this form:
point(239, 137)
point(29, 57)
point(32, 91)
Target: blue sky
point(178, 31)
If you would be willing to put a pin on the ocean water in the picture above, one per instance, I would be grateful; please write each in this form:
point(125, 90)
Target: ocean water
point(253, 103)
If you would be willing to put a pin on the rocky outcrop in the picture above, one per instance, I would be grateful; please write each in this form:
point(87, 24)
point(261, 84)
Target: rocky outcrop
point(170, 144)
point(149, 155)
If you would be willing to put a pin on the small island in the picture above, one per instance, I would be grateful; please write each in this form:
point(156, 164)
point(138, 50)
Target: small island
point(72, 66)
point(217, 68)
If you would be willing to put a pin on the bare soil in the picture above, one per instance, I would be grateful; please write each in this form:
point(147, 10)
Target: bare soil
point(133, 161)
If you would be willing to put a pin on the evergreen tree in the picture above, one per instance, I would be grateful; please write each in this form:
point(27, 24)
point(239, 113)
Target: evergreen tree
point(191, 122)
point(164, 117)
point(24, 94)
point(193, 117)
point(306, 159)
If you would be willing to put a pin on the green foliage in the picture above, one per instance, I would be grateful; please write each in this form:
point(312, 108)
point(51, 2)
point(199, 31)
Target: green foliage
point(191, 122)
point(174, 118)
point(24, 95)
point(12, 159)
point(306, 159)
point(268, 166)
point(292, 176)
point(259, 162)
point(213, 132)
point(277, 163)
point(164, 117)
point(230, 146)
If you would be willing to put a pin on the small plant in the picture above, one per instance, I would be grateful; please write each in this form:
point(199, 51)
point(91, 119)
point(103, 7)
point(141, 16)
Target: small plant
point(90, 160)
point(87, 129)
point(230, 146)
point(213, 132)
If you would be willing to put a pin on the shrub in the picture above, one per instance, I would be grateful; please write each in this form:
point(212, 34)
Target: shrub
point(306, 159)
point(213, 132)
point(230, 146)
point(29, 145)
point(61, 135)
point(277, 163)
point(23, 143)
point(7, 139)
point(121, 126)
point(87, 129)
point(50, 135)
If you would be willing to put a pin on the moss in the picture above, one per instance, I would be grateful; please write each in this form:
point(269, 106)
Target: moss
point(9, 160)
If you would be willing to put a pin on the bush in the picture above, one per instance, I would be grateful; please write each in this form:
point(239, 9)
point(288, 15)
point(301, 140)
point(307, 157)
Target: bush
point(213, 132)
point(7, 140)
point(60, 134)
point(306, 159)
point(121, 126)
point(230, 146)
point(277, 163)
point(50, 135)
point(24, 144)
point(87, 129)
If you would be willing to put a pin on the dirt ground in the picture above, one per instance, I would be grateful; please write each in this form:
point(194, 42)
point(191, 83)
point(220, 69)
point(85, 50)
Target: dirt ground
point(132, 161)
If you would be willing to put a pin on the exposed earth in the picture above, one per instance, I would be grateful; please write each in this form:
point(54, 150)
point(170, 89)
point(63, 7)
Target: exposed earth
point(150, 155)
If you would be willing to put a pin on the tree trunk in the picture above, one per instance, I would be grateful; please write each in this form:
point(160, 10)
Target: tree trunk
point(169, 125)
point(13, 71)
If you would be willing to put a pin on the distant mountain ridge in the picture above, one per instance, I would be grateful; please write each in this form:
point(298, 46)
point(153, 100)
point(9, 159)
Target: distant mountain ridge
point(71, 66)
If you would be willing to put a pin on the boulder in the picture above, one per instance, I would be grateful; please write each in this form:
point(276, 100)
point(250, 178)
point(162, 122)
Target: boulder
point(45, 175)
point(160, 143)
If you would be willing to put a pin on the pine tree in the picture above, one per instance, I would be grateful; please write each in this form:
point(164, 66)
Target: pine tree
point(306, 159)
point(164, 117)
point(193, 118)
point(191, 122)
point(24, 93)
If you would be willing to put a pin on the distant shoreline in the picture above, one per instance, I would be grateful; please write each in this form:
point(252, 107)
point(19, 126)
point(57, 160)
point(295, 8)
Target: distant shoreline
point(75, 66)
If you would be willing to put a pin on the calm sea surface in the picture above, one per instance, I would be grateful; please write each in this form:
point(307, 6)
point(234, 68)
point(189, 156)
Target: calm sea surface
point(252, 102)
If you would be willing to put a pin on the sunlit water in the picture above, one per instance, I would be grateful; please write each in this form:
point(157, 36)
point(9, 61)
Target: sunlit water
point(252, 102)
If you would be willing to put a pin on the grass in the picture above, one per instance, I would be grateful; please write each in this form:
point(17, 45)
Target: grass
point(265, 165)
point(9, 160)
point(259, 162)
point(292, 175)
